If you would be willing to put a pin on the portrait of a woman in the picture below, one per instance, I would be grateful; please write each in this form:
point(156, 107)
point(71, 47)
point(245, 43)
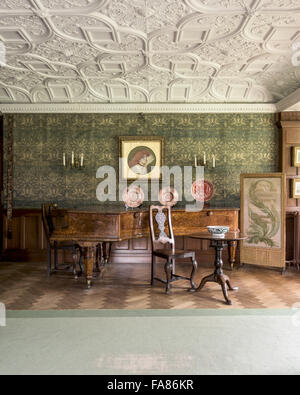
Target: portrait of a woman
point(140, 161)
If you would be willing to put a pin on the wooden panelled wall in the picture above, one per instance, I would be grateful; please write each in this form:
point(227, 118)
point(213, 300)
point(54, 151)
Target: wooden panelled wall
point(28, 243)
point(1, 177)
point(290, 123)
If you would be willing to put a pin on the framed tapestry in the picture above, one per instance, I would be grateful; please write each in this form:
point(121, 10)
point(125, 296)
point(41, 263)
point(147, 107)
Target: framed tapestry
point(142, 157)
point(263, 219)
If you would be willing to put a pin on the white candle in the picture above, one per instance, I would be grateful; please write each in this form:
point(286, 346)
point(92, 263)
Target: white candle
point(204, 158)
point(64, 159)
point(72, 157)
point(81, 160)
point(196, 162)
point(214, 161)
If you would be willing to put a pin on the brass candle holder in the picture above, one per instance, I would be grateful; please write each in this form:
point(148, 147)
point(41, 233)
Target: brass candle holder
point(204, 162)
point(75, 162)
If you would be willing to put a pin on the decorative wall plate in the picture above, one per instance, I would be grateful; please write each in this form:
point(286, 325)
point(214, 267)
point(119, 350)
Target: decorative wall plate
point(202, 191)
point(168, 196)
point(133, 196)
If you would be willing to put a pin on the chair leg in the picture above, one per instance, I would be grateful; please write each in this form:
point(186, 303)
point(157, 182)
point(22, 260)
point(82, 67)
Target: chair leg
point(81, 261)
point(173, 268)
point(153, 269)
point(168, 269)
point(48, 260)
point(75, 259)
point(195, 265)
point(55, 256)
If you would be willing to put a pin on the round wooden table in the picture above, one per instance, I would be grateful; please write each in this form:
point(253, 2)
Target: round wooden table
point(218, 276)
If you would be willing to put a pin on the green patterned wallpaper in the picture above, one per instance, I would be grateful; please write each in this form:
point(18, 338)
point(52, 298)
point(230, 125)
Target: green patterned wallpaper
point(241, 142)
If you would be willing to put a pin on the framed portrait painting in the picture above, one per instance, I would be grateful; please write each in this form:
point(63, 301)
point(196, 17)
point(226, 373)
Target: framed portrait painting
point(141, 157)
point(263, 219)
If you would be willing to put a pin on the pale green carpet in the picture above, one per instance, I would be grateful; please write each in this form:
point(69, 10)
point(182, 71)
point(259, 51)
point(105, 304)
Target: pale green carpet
point(151, 342)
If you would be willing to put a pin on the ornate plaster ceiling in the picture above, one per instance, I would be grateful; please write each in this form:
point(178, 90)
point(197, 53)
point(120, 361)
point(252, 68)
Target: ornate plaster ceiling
point(148, 51)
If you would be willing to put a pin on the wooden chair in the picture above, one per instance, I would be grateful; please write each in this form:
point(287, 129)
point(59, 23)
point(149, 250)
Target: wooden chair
point(163, 213)
point(55, 245)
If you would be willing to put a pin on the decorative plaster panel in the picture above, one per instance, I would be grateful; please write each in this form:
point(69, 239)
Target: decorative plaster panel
point(148, 51)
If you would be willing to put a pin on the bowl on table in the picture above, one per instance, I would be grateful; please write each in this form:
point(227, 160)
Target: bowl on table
point(218, 231)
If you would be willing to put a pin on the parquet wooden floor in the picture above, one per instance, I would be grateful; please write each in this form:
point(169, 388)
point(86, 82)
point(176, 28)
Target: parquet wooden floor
point(24, 286)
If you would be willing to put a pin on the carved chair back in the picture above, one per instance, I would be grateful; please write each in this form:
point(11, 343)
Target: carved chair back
point(47, 219)
point(161, 214)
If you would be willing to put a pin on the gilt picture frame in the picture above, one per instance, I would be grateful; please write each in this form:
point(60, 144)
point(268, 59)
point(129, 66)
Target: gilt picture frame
point(141, 157)
point(296, 157)
point(263, 219)
point(295, 193)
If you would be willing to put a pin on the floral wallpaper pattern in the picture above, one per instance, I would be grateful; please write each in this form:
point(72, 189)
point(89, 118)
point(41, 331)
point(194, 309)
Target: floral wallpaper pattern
point(242, 143)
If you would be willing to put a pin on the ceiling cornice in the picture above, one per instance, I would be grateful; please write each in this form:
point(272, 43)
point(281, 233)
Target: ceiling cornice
point(290, 102)
point(138, 108)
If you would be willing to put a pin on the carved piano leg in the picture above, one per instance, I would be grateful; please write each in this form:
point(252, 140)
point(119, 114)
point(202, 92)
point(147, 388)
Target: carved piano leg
point(100, 263)
point(89, 260)
point(106, 252)
point(98, 260)
point(232, 246)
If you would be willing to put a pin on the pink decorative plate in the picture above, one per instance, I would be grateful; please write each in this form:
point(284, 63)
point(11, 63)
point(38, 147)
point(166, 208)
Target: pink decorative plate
point(202, 191)
point(133, 196)
point(168, 196)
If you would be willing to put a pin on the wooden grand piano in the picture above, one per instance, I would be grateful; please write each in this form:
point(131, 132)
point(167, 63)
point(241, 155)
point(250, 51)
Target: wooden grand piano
point(91, 226)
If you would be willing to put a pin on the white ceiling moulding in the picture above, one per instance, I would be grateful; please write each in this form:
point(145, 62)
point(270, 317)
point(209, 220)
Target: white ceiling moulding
point(138, 108)
point(294, 108)
point(290, 103)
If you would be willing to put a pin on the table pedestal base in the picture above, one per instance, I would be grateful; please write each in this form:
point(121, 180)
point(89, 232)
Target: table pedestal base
point(218, 276)
point(220, 279)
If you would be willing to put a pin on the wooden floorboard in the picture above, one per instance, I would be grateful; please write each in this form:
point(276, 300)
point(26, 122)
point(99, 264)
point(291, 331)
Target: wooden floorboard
point(25, 286)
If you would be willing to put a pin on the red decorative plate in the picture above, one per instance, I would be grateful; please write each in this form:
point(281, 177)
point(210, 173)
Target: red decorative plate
point(133, 196)
point(202, 191)
point(168, 196)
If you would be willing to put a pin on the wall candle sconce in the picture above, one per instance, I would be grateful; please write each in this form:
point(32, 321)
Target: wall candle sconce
point(204, 163)
point(213, 161)
point(76, 162)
